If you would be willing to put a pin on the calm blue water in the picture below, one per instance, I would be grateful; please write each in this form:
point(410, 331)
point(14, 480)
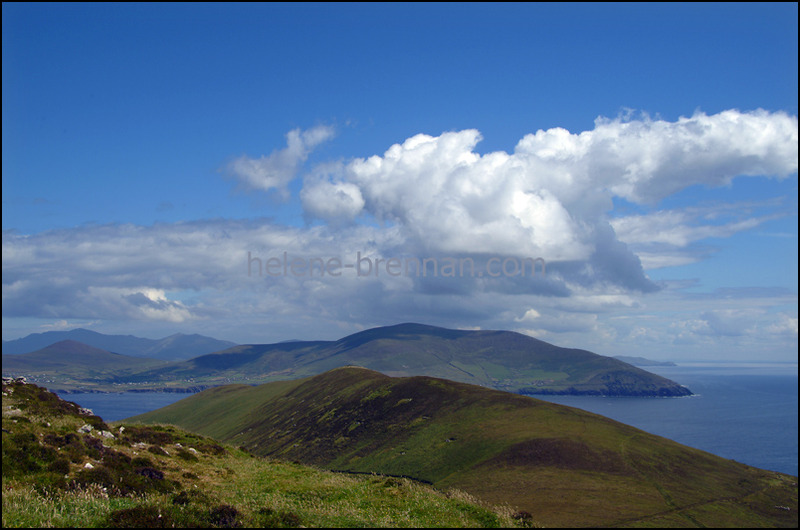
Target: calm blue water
point(115, 407)
point(744, 412)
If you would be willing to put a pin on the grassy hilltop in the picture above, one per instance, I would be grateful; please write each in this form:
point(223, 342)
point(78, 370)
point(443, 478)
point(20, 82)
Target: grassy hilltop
point(64, 467)
point(565, 466)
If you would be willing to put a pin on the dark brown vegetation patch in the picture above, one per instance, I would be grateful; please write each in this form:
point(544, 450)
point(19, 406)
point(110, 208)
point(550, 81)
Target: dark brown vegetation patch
point(225, 516)
point(157, 450)
point(148, 435)
point(150, 473)
point(69, 445)
point(211, 448)
point(269, 518)
point(183, 454)
point(561, 453)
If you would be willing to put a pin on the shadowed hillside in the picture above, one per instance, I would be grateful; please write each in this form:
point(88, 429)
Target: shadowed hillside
point(566, 466)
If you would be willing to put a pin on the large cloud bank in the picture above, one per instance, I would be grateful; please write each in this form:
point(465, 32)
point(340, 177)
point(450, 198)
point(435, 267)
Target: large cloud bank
point(549, 196)
point(428, 196)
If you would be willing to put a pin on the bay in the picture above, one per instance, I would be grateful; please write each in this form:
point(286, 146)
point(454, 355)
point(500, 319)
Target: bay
point(121, 405)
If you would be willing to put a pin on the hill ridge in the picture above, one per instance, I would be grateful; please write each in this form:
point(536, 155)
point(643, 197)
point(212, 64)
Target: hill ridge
point(64, 467)
point(567, 466)
point(70, 361)
point(177, 346)
point(500, 359)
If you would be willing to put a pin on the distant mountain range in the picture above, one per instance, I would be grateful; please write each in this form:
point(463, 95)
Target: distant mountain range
point(173, 348)
point(567, 467)
point(72, 362)
point(498, 359)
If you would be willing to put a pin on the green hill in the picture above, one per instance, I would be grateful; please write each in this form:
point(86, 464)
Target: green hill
point(496, 359)
point(65, 468)
point(565, 466)
point(70, 362)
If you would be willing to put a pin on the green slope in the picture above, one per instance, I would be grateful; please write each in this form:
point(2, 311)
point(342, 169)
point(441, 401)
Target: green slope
point(497, 359)
point(565, 466)
point(57, 472)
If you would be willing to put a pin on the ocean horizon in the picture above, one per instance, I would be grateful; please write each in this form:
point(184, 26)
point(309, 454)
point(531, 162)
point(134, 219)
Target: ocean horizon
point(743, 411)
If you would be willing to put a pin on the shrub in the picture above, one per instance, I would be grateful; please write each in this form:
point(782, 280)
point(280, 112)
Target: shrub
point(211, 449)
point(124, 481)
point(186, 455)
point(70, 445)
point(117, 460)
point(59, 465)
point(525, 519)
point(156, 450)
point(225, 516)
point(192, 496)
point(269, 518)
point(22, 454)
point(150, 473)
point(98, 475)
point(141, 461)
point(46, 483)
point(181, 499)
point(149, 435)
point(94, 447)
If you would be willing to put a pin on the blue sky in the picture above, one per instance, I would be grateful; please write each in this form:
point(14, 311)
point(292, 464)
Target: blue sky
point(647, 152)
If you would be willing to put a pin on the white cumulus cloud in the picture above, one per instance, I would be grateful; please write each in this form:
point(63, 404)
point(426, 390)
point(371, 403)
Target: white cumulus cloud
point(335, 202)
point(549, 196)
point(436, 197)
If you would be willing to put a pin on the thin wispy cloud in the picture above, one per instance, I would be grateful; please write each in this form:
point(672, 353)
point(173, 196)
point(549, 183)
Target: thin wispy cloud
point(276, 170)
point(667, 238)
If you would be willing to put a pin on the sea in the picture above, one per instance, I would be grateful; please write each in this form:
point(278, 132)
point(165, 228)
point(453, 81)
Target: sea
point(745, 412)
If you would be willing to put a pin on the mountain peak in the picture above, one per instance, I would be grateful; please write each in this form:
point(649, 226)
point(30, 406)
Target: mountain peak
point(72, 347)
point(175, 347)
point(498, 359)
point(404, 331)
